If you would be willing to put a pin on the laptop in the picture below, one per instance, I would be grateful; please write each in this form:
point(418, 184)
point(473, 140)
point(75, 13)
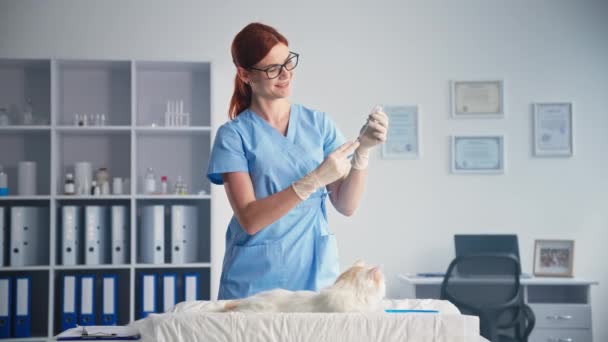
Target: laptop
point(485, 243)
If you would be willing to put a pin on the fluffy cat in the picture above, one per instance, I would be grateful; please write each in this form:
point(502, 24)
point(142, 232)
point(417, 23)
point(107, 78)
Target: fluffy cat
point(358, 289)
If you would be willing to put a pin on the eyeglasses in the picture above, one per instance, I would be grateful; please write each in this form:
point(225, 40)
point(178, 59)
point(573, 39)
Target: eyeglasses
point(274, 71)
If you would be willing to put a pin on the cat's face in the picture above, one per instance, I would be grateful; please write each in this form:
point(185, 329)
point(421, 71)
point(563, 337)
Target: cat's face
point(366, 280)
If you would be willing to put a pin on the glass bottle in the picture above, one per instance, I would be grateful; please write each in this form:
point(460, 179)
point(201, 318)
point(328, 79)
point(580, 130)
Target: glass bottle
point(69, 188)
point(28, 115)
point(4, 118)
point(150, 182)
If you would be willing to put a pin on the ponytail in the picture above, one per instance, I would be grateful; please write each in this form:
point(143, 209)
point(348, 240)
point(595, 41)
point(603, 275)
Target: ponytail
point(241, 98)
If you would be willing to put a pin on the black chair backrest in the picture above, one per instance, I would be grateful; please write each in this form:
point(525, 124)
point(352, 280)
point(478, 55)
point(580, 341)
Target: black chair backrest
point(493, 293)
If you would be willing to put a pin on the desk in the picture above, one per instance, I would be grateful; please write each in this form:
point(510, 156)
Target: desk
point(562, 306)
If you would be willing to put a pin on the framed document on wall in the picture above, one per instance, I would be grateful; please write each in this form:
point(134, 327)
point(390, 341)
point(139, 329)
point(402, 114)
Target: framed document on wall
point(403, 141)
point(478, 154)
point(477, 99)
point(553, 136)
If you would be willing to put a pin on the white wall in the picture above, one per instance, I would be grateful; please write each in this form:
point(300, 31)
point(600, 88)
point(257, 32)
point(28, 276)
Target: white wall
point(399, 52)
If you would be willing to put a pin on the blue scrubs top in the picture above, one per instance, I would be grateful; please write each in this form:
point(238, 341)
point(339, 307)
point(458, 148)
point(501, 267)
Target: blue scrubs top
point(296, 252)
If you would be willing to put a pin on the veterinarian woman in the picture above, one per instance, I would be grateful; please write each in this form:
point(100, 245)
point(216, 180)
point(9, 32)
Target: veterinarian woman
point(278, 161)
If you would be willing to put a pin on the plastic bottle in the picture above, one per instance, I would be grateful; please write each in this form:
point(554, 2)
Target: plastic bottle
point(3, 182)
point(163, 184)
point(69, 188)
point(150, 182)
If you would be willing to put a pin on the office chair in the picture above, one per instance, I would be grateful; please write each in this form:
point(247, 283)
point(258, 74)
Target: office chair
point(487, 286)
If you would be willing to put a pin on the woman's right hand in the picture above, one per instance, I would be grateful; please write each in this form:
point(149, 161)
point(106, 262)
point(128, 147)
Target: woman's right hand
point(334, 167)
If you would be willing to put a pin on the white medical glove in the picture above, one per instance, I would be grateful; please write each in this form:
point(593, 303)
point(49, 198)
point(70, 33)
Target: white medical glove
point(374, 132)
point(334, 167)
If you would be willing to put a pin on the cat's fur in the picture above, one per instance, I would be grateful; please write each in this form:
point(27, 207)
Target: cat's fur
point(358, 289)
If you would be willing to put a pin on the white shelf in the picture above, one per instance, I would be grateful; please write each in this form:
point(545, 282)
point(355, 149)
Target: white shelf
point(25, 198)
point(24, 129)
point(92, 267)
point(93, 129)
point(93, 198)
point(173, 197)
point(132, 95)
point(25, 268)
point(177, 266)
point(179, 130)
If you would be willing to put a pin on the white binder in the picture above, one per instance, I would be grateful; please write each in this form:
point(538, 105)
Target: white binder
point(3, 235)
point(29, 236)
point(184, 234)
point(152, 235)
point(71, 230)
point(96, 242)
point(120, 233)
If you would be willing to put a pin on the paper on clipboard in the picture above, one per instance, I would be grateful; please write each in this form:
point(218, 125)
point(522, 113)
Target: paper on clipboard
point(99, 332)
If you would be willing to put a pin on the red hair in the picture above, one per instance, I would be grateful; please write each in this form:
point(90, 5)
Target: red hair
point(249, 47)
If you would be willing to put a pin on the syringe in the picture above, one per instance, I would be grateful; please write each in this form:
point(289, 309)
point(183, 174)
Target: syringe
point(377, 108)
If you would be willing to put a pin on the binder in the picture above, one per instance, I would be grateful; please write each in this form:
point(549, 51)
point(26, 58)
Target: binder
point(108, 310)
point(120, 224)
point(69, 317)
point(148, 295)
point(71, 226)
point(87, 300)
point(152, 235)
point(184, 234)
point(190, 287)
point(169, 291)
point(3, 235)
point(29, 236)
point(5, 307)
point(22, 317)
point(96, 235)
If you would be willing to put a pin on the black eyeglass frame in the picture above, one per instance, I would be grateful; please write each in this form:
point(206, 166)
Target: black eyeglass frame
point(281, 66)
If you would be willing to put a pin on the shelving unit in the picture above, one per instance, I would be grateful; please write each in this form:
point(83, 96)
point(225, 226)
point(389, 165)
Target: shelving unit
point(132, 95)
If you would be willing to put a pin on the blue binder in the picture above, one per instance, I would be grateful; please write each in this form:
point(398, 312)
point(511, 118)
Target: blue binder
point(69, 296)
point(22, 317)
point(87, 300)
point(108, 299)
point(169, 291)
point(148, 295)
point(191, 287)
point(5, 307)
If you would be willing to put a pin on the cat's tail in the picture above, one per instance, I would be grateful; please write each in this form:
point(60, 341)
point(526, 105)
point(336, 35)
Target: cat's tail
point(231, 305)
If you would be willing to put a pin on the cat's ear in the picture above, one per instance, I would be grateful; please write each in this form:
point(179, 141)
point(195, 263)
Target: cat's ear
point(375, 273)
point(359, 263)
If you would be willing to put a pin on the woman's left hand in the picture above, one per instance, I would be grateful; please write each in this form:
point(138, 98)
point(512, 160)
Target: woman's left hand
point(375, 131)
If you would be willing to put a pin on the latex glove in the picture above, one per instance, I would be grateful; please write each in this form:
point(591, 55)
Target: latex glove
point(334, 167)
point(373, 133)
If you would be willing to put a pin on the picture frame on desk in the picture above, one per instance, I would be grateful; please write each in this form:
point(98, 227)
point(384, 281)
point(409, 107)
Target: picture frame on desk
point(553, 258)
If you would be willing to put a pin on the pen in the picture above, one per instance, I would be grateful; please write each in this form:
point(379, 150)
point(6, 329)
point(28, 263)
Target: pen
point(410, 311)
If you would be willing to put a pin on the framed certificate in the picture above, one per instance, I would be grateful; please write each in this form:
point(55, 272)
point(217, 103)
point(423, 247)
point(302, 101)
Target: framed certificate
point(478, 154)
point(553, 136)
point(403, 140)
point(477, 99)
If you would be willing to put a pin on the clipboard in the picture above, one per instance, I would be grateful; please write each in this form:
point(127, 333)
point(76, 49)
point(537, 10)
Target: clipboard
point(99, 332)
